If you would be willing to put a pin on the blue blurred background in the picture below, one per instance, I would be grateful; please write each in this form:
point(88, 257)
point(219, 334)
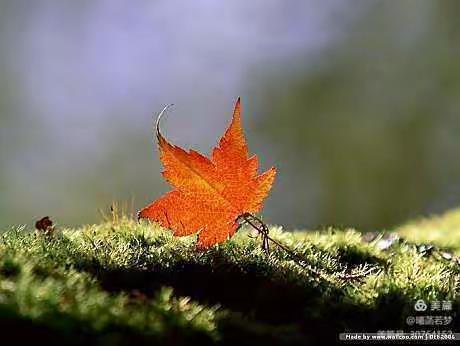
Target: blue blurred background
point(355, 102)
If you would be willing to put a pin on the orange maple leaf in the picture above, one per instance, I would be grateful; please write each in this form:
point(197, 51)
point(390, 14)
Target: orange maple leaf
point(209, 194)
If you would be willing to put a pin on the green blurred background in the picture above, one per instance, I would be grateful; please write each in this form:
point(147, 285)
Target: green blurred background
point(355, 102)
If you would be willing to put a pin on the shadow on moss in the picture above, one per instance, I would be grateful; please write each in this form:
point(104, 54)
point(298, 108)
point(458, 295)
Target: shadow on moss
point(60, 329)
point(259, 309)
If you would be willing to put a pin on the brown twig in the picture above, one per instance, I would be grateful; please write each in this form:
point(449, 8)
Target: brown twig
point(263, 231)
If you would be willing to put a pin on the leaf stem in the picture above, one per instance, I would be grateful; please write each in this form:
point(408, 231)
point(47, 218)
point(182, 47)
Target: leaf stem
point(263, 230)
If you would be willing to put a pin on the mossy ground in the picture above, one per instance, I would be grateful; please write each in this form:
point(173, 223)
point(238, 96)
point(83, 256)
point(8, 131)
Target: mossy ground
point(123, 282)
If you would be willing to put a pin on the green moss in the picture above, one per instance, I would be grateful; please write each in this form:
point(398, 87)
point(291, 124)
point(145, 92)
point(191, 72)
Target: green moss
point(122, 282)
point(443, 230)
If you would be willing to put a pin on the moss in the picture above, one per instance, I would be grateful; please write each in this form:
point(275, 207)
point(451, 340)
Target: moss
point(443, 230)
point(122, 282)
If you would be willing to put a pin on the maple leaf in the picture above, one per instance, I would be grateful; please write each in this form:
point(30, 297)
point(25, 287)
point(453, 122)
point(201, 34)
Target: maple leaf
point(209, 194)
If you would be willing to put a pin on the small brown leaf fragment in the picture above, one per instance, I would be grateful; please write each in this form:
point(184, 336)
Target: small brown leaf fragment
point(45, 225)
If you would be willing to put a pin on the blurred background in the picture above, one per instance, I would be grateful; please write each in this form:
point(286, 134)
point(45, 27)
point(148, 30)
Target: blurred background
point(355, 102)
